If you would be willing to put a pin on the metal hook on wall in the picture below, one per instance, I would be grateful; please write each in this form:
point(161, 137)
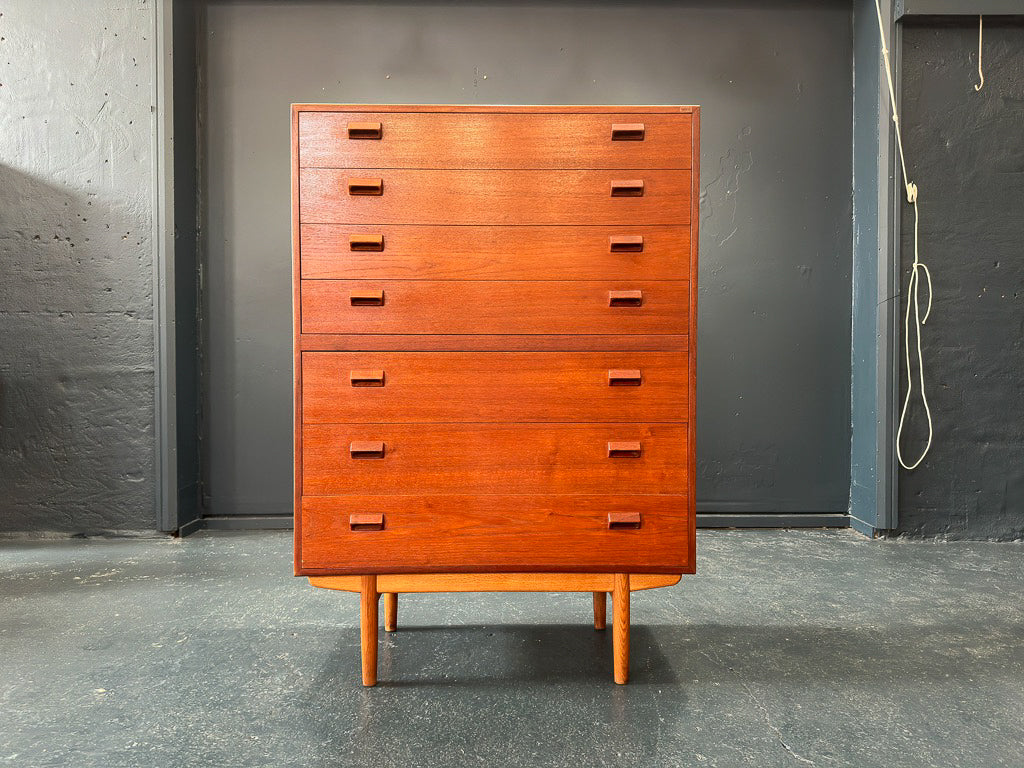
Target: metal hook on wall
point(981, 75)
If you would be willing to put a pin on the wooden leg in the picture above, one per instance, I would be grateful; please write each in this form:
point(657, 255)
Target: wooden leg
point(390, 611)
point(599, 610)
point(368, 628)
point(620, 628)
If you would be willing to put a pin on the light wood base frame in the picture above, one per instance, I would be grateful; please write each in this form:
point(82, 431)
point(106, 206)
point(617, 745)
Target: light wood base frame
point(371, 587)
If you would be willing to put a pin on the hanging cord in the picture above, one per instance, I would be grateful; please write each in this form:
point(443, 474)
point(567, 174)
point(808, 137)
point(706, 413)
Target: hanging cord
point(915, 277)
point(981, 75)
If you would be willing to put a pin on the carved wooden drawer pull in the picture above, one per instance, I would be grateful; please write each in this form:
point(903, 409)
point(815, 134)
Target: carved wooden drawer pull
point(369, 186)
point(625, 243)
point(366, 378)
point(366, 521)
point(366, 449)
point(625, 188)
point(366, 298)
point(365, 130)
point(625, 298)
point(619, 521)
point(624, 378)
point(627, 131)
point(624, 449)
point(366, 242)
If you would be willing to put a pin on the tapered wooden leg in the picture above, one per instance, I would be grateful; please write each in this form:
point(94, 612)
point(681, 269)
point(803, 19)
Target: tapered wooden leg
point(368, 628)
point(390, 611)
point(599, 610)
point(620, 628)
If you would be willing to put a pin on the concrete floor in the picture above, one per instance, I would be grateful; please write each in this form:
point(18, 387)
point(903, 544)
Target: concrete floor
point(789, 648)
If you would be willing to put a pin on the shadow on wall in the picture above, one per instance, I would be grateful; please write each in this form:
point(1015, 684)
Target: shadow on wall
point(76, 363)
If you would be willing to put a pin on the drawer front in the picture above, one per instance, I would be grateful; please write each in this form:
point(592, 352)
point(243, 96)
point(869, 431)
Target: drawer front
point(493, 140)
point(432, 387)
point(403, 196)
point(402, 459)
point(468, 533)
point(395, 252)
point(467, 307)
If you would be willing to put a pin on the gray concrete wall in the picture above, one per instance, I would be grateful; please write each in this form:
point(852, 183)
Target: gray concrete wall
point(76, 266)
point(774, 82)
point(965, 150)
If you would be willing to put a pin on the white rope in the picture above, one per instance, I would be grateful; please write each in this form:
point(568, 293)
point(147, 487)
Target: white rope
point(913, 287)
point(981, 75)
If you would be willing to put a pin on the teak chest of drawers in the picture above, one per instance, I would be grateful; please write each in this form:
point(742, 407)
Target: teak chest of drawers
point(494, 352)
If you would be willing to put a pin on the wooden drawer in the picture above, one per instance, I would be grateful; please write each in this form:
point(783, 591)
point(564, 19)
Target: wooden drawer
point(466, 533)
point(425, 387)
point(493, 197)
point(482, 306)
point(403, 459)
point(395, 252)
point(493, 140)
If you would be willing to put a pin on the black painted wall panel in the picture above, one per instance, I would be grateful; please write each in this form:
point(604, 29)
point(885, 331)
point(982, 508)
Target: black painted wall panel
point(965, 150)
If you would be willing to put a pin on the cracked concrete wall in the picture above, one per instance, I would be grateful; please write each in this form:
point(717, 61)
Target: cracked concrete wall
point(76, 266)
point(775, 84)
point(965, 150)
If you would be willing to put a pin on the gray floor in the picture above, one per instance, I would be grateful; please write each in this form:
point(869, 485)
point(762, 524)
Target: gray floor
point(788, 648)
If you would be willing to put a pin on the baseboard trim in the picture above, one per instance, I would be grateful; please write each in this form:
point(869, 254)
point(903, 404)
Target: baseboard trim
point(248, 522)
point(773, 520)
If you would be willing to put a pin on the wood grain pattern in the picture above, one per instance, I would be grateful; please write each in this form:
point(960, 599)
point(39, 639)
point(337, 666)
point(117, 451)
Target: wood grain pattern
point(436, 387)
point(368, 628)
point(445, 266)
point(356, 241)
point(482, 306)
point(600, 609)
point(354, 130)
point(496, 582)
point(362, 185)
point(489, 342)
point(362, 449)
point(480, 533)
point(390, 611)
point(495, 458)
point(493, 141)
point(623, 520)
point(620, 628)
point(296, 347)
point(691, 403)
point(366, 521)
point(494, 197)
point(358, 296)
point(411, 252)
point(630, 449)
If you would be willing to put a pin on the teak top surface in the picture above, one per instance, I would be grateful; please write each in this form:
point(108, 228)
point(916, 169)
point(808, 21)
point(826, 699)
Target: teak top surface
point(501, 108)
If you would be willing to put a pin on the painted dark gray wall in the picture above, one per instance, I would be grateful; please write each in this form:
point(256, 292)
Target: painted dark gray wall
point(76, 266)
point(965, 150)
point(774, 81)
